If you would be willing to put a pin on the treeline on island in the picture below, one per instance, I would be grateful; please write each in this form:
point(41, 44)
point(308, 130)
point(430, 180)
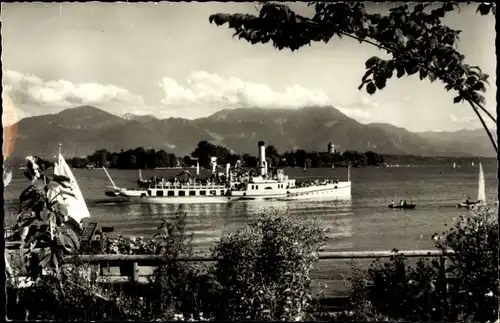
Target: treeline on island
point(141, 158)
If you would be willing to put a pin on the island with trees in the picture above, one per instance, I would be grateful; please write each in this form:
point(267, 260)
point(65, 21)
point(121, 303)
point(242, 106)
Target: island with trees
point(141, 158)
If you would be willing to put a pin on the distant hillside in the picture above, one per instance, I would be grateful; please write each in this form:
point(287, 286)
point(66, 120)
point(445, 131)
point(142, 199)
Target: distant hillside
point(85, 129)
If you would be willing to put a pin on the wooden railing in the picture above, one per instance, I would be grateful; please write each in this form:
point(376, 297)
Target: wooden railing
point(122, 268)
point(117, 268)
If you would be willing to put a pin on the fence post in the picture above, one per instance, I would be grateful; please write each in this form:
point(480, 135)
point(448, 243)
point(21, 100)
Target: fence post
point(135, 272)
point(443, 261)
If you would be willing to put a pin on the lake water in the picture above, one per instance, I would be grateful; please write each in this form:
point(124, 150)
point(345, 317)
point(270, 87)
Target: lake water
point(364, 223)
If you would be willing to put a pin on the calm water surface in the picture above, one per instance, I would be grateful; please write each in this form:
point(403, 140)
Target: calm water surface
point(364, 223)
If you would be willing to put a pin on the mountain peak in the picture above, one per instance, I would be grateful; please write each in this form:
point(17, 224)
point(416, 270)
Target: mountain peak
point(140, 118)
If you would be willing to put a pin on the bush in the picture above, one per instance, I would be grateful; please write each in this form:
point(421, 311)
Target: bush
point(475, 264)
point(424, 293)
point(263, 270)
point(175, 284)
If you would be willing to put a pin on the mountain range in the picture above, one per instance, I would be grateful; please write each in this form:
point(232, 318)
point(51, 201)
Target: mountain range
point(83, 130)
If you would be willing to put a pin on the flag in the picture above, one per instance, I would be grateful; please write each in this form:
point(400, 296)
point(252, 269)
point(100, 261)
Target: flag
point(76, 206)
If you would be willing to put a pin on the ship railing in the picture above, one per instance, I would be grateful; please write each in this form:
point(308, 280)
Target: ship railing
point(189, 186)
point(119, 268)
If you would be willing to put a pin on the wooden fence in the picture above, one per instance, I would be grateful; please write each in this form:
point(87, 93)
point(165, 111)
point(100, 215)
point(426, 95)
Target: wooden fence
point(117, 268)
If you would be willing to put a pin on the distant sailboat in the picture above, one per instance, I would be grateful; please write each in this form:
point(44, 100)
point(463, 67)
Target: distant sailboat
point(481, 193)
point(472, 164)
point(454, 166)
point(333, 166)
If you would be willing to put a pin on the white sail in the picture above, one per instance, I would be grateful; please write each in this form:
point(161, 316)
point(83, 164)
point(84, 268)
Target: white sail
point(77, 208)
point(481, 191)
point(197, 168)
point(454, 165)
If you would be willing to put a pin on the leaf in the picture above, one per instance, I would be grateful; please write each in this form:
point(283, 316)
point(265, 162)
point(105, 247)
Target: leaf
point(380, 81)
point(25, 219)
point(457, 99)
point(432, 76)
point(483, 8)
point(44, 254)
point(401, 71)
point(371, 88)
point(479, 86)
point(61, 180)
point(45, 215)
point(219, 18)
point(423, 73)
point(368, 73)
point(372, 61)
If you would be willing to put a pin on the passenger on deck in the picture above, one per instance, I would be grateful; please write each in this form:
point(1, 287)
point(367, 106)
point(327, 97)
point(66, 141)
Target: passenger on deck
point(404, 203)
point(401, 202)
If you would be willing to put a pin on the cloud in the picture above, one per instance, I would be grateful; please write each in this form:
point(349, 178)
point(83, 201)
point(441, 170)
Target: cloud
point(10, 113)
point(32, 90)
point(211, 90)
point(472, 122)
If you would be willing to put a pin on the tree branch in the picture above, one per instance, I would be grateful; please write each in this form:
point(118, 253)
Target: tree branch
point(484, 125)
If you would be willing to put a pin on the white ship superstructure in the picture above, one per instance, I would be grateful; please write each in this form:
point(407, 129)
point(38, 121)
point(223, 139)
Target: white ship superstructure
point(279, 186)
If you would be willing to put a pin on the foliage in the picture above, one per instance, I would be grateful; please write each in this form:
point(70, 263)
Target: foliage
point(416, 40)
point(151, 159)
point(426, 292)
point(176, 285)
point(48, 233)
point(475, 263)
point(263, 269)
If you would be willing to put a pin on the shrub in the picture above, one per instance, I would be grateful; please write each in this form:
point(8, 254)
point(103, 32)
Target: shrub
point(475, 264)
point(423, 292)
point(175, 284)
point(263, 270)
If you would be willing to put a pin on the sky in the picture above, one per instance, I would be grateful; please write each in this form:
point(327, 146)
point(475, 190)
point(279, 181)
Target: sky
point(167, 60)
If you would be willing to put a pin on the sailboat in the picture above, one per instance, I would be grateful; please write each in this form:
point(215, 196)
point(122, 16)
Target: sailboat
point(472, 164)
point(76, 206)
point(454, 166)
point(481, 193)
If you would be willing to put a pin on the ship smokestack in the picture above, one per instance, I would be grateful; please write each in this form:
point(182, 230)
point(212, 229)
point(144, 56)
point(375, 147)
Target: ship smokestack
point(262, 158)
point(214, 164)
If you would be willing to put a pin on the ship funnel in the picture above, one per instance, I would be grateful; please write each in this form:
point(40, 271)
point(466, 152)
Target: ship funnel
point(262, 158)
point(214, 164)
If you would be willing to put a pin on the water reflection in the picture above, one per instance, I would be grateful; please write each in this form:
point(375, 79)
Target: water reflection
point(209, 221)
